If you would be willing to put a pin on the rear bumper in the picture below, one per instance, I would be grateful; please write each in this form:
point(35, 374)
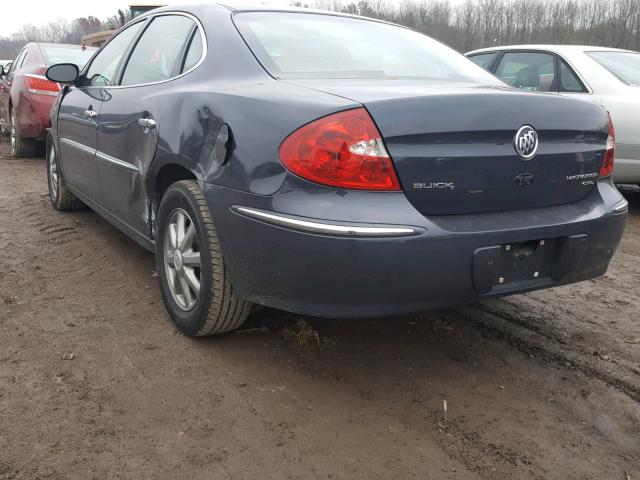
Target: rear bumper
point(430, 262)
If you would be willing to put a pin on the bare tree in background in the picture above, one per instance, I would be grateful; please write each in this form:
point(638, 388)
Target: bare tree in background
point(463, 25)
point(119, 19)
point(59, 31)
point(482, 23)
point(56, 31)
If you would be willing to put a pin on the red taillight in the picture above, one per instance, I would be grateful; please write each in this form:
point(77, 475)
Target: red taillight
point(40, 85)
point(609, 153)
point(341, 150)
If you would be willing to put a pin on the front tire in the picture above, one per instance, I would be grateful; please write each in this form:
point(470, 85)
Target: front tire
point(60, 196)
point(195, 285)
point(20, 146)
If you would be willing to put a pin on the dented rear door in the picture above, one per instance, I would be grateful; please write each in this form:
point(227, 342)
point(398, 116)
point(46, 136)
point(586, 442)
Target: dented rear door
point(125, 148)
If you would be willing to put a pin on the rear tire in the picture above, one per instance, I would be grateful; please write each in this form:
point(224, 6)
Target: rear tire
point(195, 285)
point(21, 146)
point(59, 194)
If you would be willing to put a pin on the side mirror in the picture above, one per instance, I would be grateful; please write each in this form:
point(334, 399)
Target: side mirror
point(63, 73)
point(5, 69)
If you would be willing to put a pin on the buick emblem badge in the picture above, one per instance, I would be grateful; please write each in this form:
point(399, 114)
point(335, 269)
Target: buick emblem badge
point(526, 142)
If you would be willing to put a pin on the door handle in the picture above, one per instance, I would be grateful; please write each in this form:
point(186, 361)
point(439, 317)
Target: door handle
point(147, 123)
point(90, 113)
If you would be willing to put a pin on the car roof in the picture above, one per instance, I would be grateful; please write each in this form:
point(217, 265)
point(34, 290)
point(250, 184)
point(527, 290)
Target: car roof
point(254, 7)
point(550, 47)
point(197, 8)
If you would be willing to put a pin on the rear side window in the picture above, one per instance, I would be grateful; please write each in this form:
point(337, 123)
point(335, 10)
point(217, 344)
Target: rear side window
point(306, 45)
point(569, 81)
point(158, 54)
point(483, 59)
point(624, 65)
point(527, 70)
point(103, 67)
point(194, 54)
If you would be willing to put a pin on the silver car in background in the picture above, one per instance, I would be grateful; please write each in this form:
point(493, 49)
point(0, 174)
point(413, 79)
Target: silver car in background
point(604, 76)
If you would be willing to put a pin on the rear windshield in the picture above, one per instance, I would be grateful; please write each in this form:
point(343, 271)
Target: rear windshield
point(624, 65)
point(53, 55)
point(305, 45)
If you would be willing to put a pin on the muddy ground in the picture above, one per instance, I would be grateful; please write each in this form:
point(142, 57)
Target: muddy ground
point(538, 386)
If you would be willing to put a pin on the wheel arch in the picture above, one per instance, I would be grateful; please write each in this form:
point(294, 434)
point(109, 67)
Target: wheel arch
point(52, 139)
point(160, 179)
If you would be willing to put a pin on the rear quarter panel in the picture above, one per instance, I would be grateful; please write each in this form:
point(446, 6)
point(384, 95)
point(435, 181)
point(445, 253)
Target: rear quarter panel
point(231, 88)
point(259, 115)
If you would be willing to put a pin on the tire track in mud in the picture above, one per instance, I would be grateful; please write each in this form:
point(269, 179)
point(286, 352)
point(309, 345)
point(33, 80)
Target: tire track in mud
point(51, 228)
point(58, 233)
point(503, 326)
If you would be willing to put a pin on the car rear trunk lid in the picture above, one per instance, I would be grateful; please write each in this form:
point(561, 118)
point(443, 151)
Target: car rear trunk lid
point(453, 146)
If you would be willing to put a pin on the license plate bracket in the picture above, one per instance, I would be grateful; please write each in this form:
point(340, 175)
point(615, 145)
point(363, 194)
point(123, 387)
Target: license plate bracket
point(524, 261)
point(522, 265)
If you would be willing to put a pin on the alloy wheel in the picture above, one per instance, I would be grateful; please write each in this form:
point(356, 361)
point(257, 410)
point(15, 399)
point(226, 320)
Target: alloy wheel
point(53, 173)
point(182, 259)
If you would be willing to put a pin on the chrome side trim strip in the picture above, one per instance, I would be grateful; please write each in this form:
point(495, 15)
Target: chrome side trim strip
point(116, 161)
point(314, 226)
point(100, 155)
point(78, 146)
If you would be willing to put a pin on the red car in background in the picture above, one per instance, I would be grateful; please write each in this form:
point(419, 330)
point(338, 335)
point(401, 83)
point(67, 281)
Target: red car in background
point(26, 96)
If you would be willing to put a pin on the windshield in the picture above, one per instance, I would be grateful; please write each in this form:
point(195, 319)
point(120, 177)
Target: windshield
point(305, 45)
point(75, 55)
point(624, 65)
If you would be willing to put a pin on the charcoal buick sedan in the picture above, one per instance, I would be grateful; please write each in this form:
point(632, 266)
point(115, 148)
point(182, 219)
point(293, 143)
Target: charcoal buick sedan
point(328, 165)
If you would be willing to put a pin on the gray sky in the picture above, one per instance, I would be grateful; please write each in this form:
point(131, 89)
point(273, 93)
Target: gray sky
point(16, 13)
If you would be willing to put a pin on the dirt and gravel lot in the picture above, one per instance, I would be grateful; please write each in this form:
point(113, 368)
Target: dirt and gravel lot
point(95, 383)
